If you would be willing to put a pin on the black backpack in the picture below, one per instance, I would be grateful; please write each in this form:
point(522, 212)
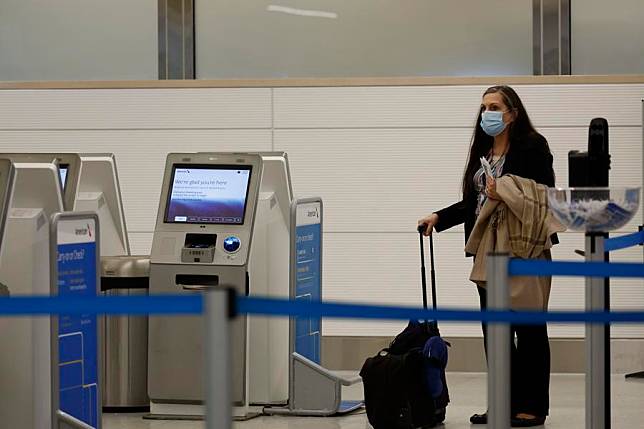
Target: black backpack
point(405, 388)
point(405, 385)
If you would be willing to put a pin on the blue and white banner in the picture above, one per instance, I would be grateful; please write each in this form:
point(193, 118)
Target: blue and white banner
point(308, 277)
point(78, 333)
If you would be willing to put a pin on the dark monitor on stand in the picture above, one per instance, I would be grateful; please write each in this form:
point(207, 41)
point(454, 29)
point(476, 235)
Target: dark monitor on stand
point(62, 171)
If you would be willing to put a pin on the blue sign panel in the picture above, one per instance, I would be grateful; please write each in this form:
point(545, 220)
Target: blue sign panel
point(77, 334)
point(308, 278)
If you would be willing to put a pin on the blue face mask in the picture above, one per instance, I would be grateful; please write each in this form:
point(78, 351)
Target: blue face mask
point(492, 123)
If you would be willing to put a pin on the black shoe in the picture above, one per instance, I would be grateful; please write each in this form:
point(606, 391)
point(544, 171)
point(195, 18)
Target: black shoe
point(479, 419)
point(517, 422)
point(440, 415)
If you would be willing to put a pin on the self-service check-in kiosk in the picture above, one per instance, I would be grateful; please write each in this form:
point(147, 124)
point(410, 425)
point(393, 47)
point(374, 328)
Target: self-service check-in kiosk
point(202, 240)
point(275, 370)
point(25, 270)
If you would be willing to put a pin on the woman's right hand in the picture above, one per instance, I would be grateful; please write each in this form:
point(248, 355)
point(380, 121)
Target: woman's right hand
point(429, 222)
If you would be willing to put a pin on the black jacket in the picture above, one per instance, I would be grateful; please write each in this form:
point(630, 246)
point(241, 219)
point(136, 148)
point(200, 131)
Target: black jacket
point(529, 158)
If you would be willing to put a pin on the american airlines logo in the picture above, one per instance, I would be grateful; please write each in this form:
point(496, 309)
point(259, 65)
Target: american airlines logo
point(83, 231)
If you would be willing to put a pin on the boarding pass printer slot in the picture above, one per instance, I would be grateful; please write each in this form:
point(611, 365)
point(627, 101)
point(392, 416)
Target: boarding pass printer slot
point(199, 248)
point(196, 282)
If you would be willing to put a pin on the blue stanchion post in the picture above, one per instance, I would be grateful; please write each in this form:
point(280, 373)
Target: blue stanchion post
point(498, 343)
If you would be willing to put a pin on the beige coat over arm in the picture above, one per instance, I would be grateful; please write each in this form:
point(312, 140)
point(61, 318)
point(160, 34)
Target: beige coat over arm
point(519, 224)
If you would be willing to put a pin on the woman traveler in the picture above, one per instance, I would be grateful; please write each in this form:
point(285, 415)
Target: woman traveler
point(505, 136)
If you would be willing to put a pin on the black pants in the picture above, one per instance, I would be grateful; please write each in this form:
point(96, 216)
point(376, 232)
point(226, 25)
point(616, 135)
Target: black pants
point(529, 367)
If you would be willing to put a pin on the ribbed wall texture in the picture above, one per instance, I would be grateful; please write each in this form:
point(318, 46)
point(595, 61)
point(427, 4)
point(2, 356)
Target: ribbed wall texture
point(380, 157)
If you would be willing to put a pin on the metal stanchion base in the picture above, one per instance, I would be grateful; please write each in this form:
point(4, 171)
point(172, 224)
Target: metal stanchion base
point(246, 417)
point(346, 408)
point(242, 418)
point(126, 410)
point(195, 412)
point(173, 417)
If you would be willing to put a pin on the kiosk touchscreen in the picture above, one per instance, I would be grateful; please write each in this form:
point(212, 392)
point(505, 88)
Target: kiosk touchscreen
point(98, 190)
point(202, 240)
point(68, 165)
point(204, 194)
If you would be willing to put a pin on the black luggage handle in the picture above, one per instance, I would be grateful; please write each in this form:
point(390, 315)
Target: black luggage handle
point(423, 274)
point(432, 272)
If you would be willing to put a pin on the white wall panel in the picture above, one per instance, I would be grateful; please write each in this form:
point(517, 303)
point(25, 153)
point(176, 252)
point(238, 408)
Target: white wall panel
point(377, 180)
point(451, 106)
point(627, 294)
point(140, 242)
point(136, 108)
point(385, 269)
point(576, 105)
point(567, 293)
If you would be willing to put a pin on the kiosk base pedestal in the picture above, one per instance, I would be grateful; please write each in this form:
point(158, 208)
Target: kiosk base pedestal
point(316, 391)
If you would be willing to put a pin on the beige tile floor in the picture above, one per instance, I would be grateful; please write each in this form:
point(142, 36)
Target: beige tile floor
point(468, 392)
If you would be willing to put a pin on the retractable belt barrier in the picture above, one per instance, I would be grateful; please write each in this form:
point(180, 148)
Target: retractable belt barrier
point(193, 304)
point(190, 305)
point(624, 241)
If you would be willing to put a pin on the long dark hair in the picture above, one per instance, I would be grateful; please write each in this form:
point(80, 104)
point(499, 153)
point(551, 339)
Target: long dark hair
point(481, 144)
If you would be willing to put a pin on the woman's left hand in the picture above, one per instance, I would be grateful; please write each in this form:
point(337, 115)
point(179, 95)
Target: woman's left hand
point(490, 188)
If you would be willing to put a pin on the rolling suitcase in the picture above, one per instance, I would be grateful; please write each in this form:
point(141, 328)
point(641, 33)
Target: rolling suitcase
point(405, 385)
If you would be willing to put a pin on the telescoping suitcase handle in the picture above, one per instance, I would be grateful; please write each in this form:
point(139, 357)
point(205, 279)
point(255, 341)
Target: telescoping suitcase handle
point(432, 272)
